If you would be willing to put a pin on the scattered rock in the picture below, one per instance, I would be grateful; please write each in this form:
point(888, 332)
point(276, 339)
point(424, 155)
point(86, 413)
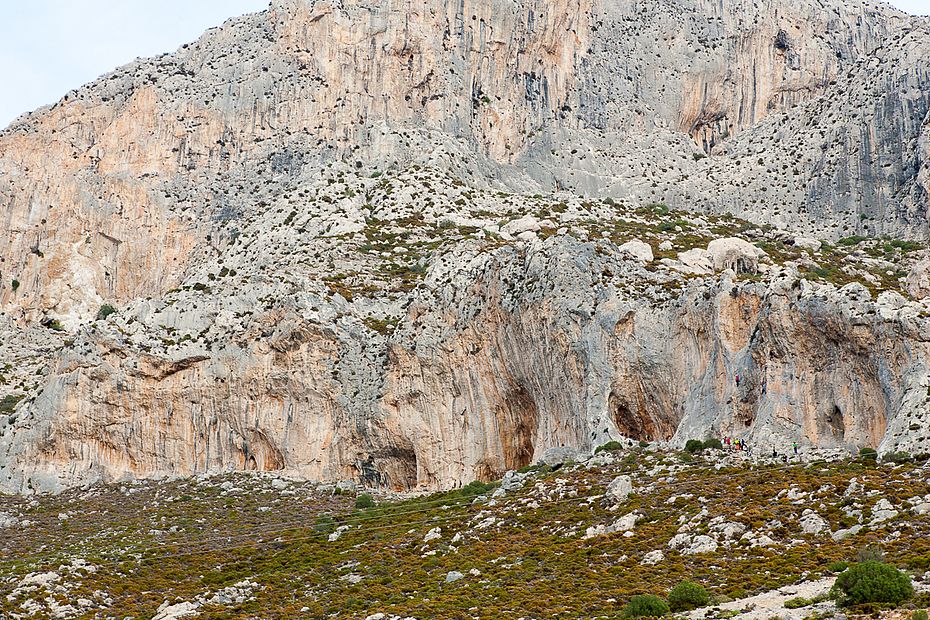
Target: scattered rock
point(620, 488)
point(652, 558)
point(638, 250)
point(812, 523)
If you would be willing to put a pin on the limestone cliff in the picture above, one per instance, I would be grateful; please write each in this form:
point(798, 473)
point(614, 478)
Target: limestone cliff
point(323, 233)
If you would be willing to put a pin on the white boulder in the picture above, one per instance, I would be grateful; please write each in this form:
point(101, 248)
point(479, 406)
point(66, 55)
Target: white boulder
point(620, 488)
point(736, 254)
point(527, 223)
point(637, 249)
point(696, 261)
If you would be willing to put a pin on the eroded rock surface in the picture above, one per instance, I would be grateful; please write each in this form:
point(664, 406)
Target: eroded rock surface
point(418, 244)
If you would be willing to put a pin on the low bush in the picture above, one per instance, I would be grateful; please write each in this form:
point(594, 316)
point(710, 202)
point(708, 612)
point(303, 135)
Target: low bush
point(365, 500)
point(713, 444)
point(610, 446)
point(837, 567)
point(105, 311)
point(898, 458)
point(919, 614)
point(687, 595)
point(646, 606)
point(798, 602)
point(868, 454)
point(872, 582)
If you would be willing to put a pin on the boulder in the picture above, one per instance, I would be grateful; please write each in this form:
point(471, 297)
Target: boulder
point(620, 488)
point(812, 523)
point(453, 576)
point(918, 280)
point(841, 535)
point(652, 558)
point(696, 261)
point(637, 249)
point(806, 243)
point(527, 223)
point(701, 544)
point(883, 510)
point(735, 254)
point(558, 456)
point(512, 481)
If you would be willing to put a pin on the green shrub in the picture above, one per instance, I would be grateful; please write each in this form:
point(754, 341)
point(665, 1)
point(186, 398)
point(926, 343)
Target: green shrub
point(798, 602)
point(9, 402)
point(848, 241)
point(919, 614)
point(837, 567)
point(15, 285)
point(868, 454)
point(687, 595)
point(897, 457)
point(476, 488)
point(694, 445)
point(713, 444)
point(610, 446)
point(646, 606)
point(872, 582)
point(365, 500)
point(105, 311)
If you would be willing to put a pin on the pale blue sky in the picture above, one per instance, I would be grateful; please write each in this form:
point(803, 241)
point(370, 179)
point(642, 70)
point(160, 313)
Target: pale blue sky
point(48, 47)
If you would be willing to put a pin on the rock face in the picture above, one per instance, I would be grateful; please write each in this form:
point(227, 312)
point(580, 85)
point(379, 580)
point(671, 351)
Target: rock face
point(323, 233)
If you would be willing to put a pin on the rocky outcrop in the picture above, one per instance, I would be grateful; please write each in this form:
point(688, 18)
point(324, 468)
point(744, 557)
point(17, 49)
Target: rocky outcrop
point(480, 378)
point(325, 234)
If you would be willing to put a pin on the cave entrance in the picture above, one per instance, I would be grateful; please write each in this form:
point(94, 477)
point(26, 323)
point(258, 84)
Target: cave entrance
point(517, 421)
point(635, 425)
point(836, 425)
point(394, 467)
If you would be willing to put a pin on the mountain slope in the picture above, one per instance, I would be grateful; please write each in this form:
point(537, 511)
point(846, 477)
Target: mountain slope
point(323, 231)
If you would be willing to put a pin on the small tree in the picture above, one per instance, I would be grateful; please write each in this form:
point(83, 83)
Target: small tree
point(872, 582)
point(694, 445)
point(15, 285)
point(687, 595)
point(868, 454)
point(646, 606)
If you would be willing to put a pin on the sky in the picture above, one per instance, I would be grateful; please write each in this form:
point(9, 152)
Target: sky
point(48, 47)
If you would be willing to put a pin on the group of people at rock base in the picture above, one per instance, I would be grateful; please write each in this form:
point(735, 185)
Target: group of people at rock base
point(731, 443)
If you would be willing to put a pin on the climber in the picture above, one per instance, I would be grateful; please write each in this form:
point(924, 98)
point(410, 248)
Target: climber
point(795, 446)
point(737, 380)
